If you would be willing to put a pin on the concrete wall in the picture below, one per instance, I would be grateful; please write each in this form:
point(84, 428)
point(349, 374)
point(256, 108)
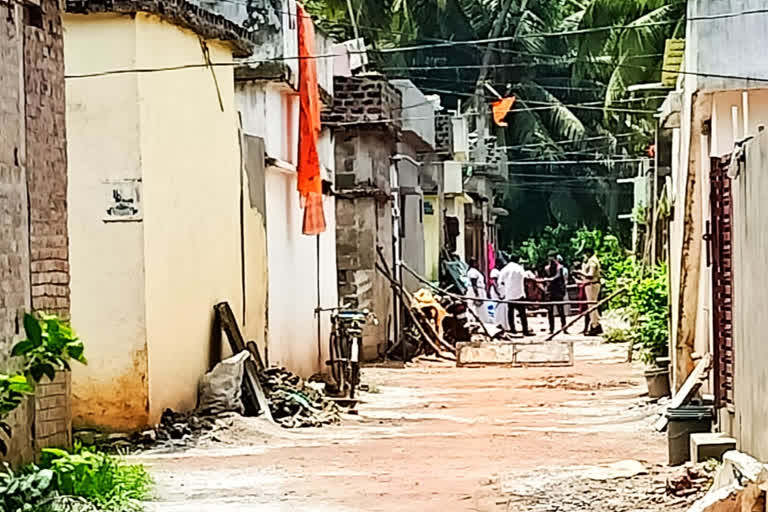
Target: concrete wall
point(157, 279)
point(191, 179)
point(107, 257)
point(432, 237)
point(270, 111)
point(417, 111)
point(364, 222)
point(750, 284)
point(725, 45)
point(292, 336)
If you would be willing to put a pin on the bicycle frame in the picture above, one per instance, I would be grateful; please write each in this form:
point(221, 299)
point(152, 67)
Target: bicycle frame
point(345, 348)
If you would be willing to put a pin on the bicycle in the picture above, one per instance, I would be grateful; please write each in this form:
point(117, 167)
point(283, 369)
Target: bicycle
point(345, 347)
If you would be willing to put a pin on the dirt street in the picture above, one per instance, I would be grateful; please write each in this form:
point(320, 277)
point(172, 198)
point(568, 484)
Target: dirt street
point(436, 439)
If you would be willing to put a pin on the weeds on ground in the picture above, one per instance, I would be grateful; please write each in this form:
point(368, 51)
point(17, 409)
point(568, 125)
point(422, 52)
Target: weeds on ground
point(81, 481)
point(104, 480)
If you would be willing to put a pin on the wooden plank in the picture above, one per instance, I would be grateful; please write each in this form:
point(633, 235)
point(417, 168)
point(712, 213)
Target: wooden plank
point(255, 396)
point(691, 386)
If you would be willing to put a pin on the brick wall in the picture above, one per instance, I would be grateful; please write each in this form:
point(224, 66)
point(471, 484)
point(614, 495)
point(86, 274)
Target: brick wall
point(46, 159)
point(53, 412)
point(14, 257)
point(363, 100)
point(34, 273)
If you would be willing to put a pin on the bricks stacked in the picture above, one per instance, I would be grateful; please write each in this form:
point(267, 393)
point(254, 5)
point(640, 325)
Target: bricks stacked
point(46, 161)
point(364, 100)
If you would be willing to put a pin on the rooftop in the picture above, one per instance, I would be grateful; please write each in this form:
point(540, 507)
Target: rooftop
point(178, 12)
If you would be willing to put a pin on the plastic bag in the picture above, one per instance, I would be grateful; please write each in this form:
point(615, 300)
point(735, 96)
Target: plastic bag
point(221, 388)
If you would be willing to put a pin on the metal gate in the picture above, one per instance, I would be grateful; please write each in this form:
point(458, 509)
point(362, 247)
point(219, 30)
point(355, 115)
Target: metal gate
point(720, 258)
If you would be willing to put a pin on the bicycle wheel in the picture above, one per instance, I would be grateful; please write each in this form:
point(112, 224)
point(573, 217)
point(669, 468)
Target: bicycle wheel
point(354, 378)
point(336, 355)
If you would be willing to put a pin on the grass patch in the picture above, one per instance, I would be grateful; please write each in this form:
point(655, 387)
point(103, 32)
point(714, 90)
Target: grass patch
point(84, 480)
point(104, 480)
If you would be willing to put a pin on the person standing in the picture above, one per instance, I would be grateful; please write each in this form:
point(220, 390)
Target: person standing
point(554, 277)
point(477, 291)
point(497, 293)
point(512, 280)
point(590, 275)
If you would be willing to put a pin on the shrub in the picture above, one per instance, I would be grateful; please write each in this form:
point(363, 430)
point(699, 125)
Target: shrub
point(649, 298)
point(21, 492)
point(49, 347)
point(104, 480)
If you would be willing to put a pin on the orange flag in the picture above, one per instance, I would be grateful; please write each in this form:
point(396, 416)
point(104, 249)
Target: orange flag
point(501, 108)
point(310, 184)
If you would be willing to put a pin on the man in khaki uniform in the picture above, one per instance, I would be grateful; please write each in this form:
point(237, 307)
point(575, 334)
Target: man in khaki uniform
point(590, 274)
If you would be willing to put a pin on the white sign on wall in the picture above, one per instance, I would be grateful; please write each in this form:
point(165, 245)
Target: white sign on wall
point(122, 200)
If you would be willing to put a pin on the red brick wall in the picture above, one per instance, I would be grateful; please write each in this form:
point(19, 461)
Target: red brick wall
point(46, 160)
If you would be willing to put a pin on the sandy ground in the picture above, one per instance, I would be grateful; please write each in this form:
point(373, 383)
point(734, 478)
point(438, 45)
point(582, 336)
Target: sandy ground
point(430, 439)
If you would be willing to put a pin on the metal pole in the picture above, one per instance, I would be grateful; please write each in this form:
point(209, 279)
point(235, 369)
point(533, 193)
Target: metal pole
point(319, 311)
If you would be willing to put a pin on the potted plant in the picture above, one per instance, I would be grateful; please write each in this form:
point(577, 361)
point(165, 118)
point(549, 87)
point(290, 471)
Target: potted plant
point(649, 300)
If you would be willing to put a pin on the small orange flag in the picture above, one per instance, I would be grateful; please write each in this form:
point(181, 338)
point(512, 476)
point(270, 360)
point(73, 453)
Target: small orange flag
point(501, 108)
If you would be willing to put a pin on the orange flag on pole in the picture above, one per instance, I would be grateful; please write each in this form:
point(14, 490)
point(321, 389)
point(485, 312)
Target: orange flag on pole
point(501, 108)
point(310, 183)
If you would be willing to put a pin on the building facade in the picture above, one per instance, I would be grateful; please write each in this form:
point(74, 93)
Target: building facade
point(716, 244)
point(155, 225)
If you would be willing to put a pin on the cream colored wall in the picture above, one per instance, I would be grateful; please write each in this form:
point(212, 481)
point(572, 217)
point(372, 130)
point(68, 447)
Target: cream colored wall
point(256, 273)
point(432, 239)
point(191, 160)
point(106, 259)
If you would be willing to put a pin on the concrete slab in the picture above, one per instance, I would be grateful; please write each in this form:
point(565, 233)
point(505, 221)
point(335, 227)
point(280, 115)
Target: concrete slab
point(515, 353)
point(710, 446)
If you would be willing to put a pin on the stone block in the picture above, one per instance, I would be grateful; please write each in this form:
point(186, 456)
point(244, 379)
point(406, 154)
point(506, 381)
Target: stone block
point(707, 446)
point(522, 353)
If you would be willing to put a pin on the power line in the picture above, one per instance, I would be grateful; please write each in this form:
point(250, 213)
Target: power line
point(606, 161)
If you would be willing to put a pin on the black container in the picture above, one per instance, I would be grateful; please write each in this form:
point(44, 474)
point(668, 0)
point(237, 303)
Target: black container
point(684, 421)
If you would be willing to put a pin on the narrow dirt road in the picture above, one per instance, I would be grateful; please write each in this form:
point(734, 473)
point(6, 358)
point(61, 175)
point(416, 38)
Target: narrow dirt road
point(429, 439)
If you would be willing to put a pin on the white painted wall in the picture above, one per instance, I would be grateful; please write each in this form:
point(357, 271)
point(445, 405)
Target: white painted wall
point(270, 110)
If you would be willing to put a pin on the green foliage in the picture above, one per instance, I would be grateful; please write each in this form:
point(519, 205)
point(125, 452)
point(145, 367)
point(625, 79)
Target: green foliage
point(83, 481)
point(50, 346)
point(649, 298)
point(104, 480)
point(13, 389)
point(21, 492)
point(570, 242)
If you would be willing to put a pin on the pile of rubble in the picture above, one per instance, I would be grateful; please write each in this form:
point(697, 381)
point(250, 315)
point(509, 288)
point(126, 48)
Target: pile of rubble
point(606, 488)
point(294, 403)
point(175, 430)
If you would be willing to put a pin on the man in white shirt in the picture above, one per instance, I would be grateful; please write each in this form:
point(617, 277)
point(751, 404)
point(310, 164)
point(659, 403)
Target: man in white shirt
point(477, 291)
point(512, 281)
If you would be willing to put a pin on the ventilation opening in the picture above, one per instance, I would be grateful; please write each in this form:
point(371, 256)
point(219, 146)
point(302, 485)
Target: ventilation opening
point(33, 16)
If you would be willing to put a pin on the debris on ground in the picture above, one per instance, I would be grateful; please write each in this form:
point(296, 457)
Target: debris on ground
point(625, 486)
point(295, 403)
point(738, 485)
point(693, 480)
point(176, 430)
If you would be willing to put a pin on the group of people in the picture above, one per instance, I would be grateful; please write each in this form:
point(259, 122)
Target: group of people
point(509, 280)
